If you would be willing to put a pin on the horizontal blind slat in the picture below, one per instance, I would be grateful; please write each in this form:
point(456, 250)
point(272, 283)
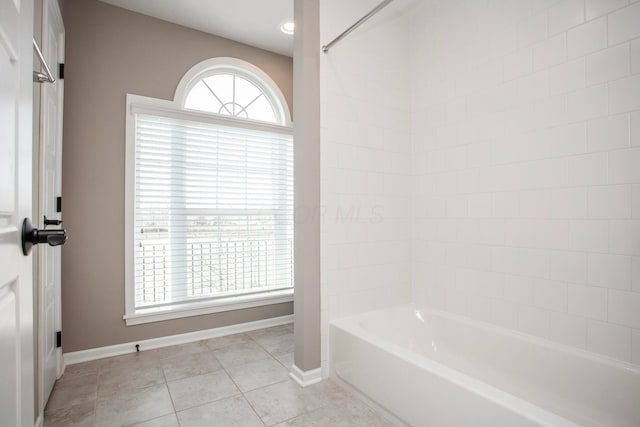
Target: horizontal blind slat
point(214, 210)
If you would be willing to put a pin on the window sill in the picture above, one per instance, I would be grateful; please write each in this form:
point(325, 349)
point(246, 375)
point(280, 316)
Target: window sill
point(207, 307)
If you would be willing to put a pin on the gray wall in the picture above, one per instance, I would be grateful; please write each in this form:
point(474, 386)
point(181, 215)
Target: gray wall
point(307, 184)
point(111, 52)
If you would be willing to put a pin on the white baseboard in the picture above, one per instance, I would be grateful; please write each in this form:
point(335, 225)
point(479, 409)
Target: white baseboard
point(326, 372)
point(130, 347)
point(305, 378)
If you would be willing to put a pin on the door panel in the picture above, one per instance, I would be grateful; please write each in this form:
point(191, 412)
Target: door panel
point(8, 353)
point(50, 187)
point(7, 125)
point(16, 283)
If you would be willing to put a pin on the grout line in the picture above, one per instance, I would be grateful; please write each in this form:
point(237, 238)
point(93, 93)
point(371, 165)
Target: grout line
point(157, 364)
point(166, 384)
point(243, 393)
point(251, 406)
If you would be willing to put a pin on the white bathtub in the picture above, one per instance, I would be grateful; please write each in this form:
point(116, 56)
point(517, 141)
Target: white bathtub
point(429, 368)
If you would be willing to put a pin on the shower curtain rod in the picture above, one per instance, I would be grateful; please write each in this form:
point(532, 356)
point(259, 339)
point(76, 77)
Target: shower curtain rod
point(360, 21)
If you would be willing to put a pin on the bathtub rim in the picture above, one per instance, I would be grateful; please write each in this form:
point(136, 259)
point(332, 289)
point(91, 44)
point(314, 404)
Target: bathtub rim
point(499, 397)
point(349, 323)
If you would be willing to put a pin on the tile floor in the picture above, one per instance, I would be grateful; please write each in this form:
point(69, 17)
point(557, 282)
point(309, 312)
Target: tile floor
point(237, 380)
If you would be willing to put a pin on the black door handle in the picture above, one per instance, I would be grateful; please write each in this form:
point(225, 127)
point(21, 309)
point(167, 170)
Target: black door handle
point(32, 236)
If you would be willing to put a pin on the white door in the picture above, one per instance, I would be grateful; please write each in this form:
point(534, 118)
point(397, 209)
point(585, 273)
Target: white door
point(50, 187)
point(16, 293)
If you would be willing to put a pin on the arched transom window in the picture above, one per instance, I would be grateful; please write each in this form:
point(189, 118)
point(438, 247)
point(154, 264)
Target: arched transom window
point(231, 94)
point(231, 87)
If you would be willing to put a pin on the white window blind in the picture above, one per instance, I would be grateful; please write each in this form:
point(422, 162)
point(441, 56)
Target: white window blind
point(213, 211)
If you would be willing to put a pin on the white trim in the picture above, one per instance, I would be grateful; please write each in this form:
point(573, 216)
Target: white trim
point(39, 421)
point(305, 378)
point(130, 347)
point(195, 308)
point(129, 209)
point(326, 370)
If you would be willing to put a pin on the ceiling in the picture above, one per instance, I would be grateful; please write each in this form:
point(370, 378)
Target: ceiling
point(253, 22)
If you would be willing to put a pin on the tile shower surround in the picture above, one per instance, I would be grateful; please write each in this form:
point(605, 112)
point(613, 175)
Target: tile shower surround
point(365, 164)
point(526, 163)
point(502, 140)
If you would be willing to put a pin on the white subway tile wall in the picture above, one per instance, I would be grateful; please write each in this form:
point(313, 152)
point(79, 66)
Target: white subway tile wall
point(565, 14)
point(525, 133)
point(596, 8)
point(366, 164)
point(608, 64)
point(635, 56)
point(623, 24)
point(588, 302)
point(609, 339)
point(635, 127)
point(608, 133)
point(587, 38)
point(550, 52)
point(610, 271)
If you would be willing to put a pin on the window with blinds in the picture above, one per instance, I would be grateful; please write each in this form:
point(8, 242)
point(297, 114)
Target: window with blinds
point(211, 202)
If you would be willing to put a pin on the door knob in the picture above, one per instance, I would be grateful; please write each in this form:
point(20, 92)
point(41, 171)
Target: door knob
point(32, 236)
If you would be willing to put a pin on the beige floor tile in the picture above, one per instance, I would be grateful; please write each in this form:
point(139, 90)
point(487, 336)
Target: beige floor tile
point(232, 412)
point(350, 413)
point(286, 359)
point(134, 406)
point(190, 365)
point(84, 368)
point(82, 415)
point(238, 354)
point(129, 361)
point(331, 391)
point(277, 344)
point(166, 421)
point(194, 391)
point(280, 402)
point(221, 342)
point(116, 380)
point(126, 360)
point(258, 374)
point(73, 390)
point(173, 351)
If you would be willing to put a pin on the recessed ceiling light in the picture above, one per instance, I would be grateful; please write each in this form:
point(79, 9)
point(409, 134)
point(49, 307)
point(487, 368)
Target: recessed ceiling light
point(287, 27)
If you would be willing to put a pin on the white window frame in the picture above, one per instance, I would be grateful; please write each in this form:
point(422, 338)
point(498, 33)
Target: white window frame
point(136, 104)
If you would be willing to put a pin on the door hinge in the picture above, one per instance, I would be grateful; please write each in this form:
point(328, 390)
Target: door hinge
point(58, 339)
point(61, 71)
point(59, 204)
